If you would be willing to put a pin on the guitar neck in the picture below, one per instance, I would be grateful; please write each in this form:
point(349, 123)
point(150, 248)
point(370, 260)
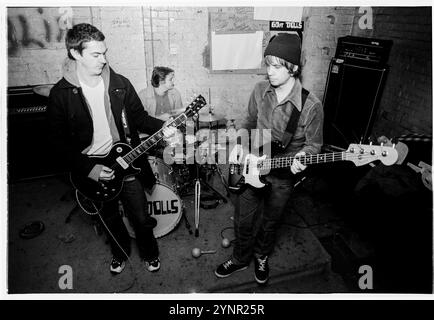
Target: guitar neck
point(151, 141)
point(285, 162)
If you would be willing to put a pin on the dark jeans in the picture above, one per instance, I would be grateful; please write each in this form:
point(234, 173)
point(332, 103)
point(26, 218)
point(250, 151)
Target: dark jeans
point(257, 216)
point(133, 200)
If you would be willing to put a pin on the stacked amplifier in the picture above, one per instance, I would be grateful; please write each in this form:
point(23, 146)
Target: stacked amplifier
point(355, 82)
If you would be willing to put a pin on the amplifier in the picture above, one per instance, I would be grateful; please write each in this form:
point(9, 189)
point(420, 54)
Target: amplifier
point(363, 50)
point(28, 142)
point(351, 100)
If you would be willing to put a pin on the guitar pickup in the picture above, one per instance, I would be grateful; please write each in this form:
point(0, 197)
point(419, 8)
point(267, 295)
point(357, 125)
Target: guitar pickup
point(122, 162)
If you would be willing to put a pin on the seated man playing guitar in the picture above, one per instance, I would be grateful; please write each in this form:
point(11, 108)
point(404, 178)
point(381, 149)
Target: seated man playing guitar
point(90, 109)
point(295, 118)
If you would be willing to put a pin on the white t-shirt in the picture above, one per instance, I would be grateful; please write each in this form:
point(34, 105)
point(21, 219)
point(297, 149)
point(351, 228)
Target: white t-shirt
point(102, 139)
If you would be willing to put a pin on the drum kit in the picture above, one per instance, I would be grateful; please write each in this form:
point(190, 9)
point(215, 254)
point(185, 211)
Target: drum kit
point(173, 182)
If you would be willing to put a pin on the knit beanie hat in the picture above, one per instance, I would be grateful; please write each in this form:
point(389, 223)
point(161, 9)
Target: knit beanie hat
point(286, 46)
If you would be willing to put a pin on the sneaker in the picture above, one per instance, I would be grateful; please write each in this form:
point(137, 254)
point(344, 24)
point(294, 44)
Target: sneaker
point(116, 266)
point(261, 269)
point(227, 268)
point(153, 265)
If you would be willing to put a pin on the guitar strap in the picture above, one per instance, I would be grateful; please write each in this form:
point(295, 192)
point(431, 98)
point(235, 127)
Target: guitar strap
point(293, 120)
point(125, 125)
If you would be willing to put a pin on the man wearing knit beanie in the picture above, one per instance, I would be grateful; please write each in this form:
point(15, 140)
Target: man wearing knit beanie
point(286, 46)
point(295, 118)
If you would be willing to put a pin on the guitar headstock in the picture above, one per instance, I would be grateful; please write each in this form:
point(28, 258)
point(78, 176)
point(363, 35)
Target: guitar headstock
point(193, 108)
point(362, 154)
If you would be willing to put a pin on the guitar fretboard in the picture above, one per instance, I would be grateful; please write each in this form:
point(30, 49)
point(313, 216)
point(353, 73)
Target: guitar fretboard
point(284, 162)
point(152, 140)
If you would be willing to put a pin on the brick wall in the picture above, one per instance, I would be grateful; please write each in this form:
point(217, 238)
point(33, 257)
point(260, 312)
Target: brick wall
point(406, 104)
point(324, 25)
point(36, 41)
point(142, 37)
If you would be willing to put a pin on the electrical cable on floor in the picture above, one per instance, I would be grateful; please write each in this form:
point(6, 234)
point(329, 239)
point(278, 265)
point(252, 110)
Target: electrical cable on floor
point(113, 237)
point(223, 230)
point(307, 226)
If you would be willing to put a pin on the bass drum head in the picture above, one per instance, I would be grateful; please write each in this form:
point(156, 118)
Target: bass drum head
point(166, 207)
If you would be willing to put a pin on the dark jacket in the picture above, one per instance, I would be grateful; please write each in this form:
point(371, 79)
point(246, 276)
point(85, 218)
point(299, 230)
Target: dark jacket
point(71, 123)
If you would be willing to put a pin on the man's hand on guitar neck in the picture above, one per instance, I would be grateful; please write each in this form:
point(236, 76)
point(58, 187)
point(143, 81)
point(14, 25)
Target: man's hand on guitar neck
point(296, 166)
point(169, 131)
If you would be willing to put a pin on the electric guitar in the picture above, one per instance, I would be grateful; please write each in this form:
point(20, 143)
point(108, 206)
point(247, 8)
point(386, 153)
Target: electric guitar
point(120, 159)
point(253, 166)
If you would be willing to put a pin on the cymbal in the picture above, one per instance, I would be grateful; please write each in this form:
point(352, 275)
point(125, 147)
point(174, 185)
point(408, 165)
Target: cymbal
point(175, 112)
point(209, 117)
point(207, 109)
point(207, 114)
point(172, 113)
point(43, 90)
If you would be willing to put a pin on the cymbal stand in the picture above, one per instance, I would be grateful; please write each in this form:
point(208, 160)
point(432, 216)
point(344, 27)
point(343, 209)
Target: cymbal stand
point(197, 191)
point(197, 204)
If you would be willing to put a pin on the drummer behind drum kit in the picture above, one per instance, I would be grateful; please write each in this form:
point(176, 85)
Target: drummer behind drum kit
point(174, 181)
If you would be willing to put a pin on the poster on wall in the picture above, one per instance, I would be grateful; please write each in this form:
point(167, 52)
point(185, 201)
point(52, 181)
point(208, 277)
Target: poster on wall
point(236, 51)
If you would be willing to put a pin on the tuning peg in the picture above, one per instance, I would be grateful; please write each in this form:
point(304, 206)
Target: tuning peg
point(382, 144)
point(393, 146)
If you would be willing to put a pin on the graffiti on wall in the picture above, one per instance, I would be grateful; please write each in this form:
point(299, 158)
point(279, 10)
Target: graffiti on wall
point(39, 28)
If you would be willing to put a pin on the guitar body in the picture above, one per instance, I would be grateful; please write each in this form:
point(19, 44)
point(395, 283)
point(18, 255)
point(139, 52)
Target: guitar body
point(237, 180)
point(251, 172)
point(121, 157)
point(103, 191)
point(250, 175)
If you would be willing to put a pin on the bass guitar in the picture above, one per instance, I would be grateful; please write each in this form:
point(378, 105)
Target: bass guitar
point(253, 167)
point(120, 159)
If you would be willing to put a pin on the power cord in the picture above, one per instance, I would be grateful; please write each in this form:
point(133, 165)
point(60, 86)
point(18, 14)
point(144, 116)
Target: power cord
point(97, 212)
point(307, 226)
point(222, 235)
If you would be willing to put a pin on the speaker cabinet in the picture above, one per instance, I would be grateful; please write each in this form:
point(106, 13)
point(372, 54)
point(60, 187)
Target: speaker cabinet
point(30, 154)
point(351, 101)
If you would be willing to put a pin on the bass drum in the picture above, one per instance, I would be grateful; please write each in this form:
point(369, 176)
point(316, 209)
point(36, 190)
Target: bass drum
point(166, 207)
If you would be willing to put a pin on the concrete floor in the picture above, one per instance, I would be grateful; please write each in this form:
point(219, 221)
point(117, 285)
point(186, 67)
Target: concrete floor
point(300, 263)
